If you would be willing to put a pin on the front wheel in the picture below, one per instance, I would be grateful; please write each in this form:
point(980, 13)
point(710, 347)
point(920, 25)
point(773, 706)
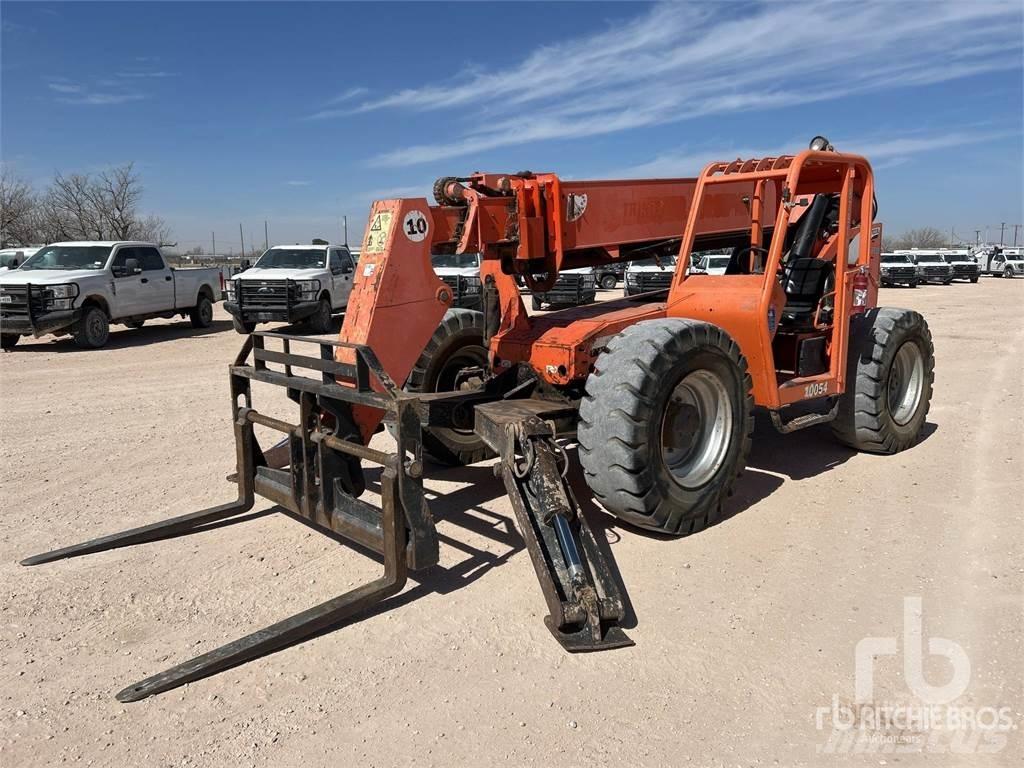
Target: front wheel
point(320, 321)
point(1008, 273)
point(243, 327)
point(608, 282)
point(93, 329)
point(201, 315)
point(889, 374)
point(974, 279)
point(8, 340)
point(536, 303)
point(454, 359)
point(665, 424)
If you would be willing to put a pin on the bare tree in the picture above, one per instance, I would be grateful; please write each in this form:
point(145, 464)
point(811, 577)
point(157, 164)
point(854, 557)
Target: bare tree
point(102, 207)
point(17, 211)
point(925, 237)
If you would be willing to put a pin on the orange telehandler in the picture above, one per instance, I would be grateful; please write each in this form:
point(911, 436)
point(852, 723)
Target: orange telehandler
point(658, 390)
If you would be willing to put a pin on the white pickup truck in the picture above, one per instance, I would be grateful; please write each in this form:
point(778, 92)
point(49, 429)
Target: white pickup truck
point(80, 288)
point(1000, 262)
point(292, 283)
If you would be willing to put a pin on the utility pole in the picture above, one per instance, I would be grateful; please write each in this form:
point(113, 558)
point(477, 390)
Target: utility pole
point(344, 224)
point(1002, 229)
point(242, 238)
point(213, 240)
point(1015, 228)
point(977, 237)
point(266, 236)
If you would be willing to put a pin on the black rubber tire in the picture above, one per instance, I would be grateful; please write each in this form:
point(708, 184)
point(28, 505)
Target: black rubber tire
point(865, 420)
point(201, 315)
point(93, 328)
point(244, 328)
point(621, 417)
point(320, 321)
point(974, 279)
point(609, 281)
point(913, 284)
point(536, 303)
point(1008, 273)
point(134, 324)
point(8, 341)
point(460, 334)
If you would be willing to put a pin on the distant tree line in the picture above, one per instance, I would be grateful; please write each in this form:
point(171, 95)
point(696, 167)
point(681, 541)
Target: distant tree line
point(925, 237)
point(79, 206)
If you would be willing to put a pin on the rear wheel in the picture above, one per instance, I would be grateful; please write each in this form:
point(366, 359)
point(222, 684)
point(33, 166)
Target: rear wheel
point(201, 315)
point(608, 281)
point(665, 424)
point(445, 365)
point(320, 321)
point(93, 329)
point(243, 327)
point(8, 340)
point(889, 375)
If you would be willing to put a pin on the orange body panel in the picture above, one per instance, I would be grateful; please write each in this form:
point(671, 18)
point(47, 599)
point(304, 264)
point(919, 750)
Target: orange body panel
point(535, 225)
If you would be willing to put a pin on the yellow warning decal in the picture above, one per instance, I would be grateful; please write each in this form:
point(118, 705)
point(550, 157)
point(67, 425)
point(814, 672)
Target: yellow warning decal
point(378, 233)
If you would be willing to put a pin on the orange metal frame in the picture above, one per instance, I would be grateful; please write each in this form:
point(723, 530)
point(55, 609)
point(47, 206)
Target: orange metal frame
point(537, 225)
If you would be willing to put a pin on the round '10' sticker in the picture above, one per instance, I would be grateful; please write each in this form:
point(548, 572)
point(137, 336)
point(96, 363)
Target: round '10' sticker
point(415, 226)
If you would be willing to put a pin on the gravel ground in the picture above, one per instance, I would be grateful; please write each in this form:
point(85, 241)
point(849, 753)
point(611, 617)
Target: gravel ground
point(742, 631)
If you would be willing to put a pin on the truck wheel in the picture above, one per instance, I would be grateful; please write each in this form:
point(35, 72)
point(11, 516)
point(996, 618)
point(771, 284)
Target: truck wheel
point(242, 327)
point(974, 279)
point(8, 340)
point(889, 374)
point(93, 329)
point(608, 281)
point(665, 424)
point(1008, 272)
point(320, 321)
point(201, 314)
point(912, 283)
point(536, 303)
point(457, 344)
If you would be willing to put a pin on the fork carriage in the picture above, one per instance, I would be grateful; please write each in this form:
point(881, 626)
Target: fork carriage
point(316, 473)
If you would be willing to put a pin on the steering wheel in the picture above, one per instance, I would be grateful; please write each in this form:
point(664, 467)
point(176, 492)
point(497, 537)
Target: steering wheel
point(747, 251)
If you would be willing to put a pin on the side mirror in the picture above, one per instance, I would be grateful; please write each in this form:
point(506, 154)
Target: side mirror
point(131, 267)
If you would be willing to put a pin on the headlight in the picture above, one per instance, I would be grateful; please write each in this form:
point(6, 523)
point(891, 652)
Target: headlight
point(308, 288)
point(630, 278)
point(60, 303)
point(68, 291)
point(232, 288)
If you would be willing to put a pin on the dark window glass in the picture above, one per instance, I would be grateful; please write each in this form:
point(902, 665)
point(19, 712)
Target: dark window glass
point(149, 259)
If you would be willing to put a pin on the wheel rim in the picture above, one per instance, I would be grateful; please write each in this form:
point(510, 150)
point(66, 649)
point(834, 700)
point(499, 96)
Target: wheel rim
point(696, 429)
point(96, 330)
point(471, 356)
point(906, 383)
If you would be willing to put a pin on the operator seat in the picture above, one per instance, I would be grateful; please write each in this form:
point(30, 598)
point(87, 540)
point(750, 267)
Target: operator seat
point(805, 281)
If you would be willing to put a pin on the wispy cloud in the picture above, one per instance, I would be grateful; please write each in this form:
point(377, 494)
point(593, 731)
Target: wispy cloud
point(119, 89)
point(296, 183)
point(159, 74)
point(882, 151)
point(331, 108)
point(681, 61)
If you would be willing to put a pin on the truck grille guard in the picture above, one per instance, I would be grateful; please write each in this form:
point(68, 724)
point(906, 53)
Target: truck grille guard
point(315, 473)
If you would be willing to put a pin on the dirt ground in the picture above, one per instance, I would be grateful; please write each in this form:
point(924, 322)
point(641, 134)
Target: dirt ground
point(742, 631)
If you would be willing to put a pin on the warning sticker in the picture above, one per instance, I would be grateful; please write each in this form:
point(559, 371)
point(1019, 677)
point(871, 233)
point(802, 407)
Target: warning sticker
point(378, 233)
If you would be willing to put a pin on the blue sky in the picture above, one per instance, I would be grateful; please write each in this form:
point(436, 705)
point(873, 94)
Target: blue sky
point(299, 113)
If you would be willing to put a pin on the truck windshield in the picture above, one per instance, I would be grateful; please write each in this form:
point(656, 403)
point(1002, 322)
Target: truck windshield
point(456, 260)
point(717, 262)
point(293, 258)
point(665, 262)
point(895, 258)
point(69, 257)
